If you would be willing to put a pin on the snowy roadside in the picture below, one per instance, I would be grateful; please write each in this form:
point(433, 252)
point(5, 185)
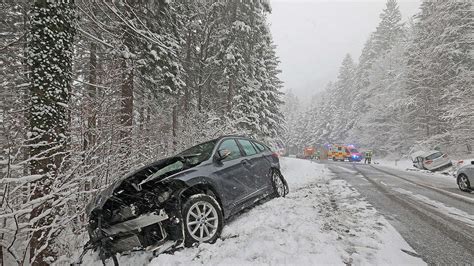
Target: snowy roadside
point(322, 221)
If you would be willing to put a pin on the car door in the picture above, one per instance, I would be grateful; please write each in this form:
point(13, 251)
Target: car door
point(257, 164)
point(470, 175)
point(267, 158)
point(231, 175)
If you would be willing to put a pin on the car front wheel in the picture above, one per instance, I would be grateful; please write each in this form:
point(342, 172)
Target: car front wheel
point(203, 219)
point(463, 183)
point(280, 187)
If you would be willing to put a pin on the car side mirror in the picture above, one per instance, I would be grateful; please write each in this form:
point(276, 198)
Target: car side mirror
point(472, 162)
point(221, 155)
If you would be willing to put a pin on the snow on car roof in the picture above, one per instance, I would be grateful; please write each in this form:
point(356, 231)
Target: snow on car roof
point(431, 152)
point(418, 154)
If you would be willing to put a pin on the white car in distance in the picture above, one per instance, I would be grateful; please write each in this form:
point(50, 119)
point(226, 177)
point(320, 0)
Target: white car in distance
point(430, 160)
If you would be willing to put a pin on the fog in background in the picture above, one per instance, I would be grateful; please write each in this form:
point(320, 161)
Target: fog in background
point(313, 37)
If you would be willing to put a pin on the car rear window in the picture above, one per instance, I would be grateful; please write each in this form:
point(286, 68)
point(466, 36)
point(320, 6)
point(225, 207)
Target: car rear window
point(248, 147)
point(434, 156)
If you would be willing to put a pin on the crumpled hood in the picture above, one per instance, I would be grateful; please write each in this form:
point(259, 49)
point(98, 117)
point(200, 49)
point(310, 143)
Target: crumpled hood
point(101, 198)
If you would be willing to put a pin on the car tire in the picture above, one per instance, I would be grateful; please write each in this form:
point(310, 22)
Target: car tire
point(202, 220)
point(279, 184)
point(463, 183)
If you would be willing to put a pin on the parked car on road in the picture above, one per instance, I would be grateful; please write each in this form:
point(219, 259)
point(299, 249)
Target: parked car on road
point(430, 160)
point(183, 199)
point(465, 177)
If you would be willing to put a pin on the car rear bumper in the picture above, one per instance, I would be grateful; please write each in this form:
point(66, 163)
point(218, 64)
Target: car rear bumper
point(440, 166)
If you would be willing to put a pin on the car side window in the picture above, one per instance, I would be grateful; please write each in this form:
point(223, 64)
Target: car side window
point(259, 146)
point(248, 147)
point(232, 147)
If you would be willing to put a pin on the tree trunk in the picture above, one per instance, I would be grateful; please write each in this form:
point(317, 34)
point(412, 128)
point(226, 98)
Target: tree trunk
point(126, 118)
point(175, 122)
point(90, 113)
point(50, 55)
point(187, 70)
point(230, 93)
point(89, 139)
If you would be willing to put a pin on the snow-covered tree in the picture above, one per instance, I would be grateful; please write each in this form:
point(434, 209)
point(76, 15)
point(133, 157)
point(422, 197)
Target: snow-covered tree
point(440, 73)
point(50, 43)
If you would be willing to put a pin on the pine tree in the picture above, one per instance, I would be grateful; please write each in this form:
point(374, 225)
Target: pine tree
point(389, 29)
point(440, 62)
point(256, 106)
point(343, 97)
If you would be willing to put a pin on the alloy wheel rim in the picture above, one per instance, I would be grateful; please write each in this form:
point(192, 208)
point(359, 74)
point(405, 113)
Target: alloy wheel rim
point(463, 182)
point(202, 221)
point(280, 187)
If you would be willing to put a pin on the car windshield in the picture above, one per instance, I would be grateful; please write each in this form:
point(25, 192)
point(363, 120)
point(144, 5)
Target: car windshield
point(434, 156)
point(354, 151)
point(199, 153)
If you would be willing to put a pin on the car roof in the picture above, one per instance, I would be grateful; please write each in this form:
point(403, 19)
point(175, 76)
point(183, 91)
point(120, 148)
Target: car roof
point(423, 153)
point(418, 154)
point(431, 152)
point(232, 136)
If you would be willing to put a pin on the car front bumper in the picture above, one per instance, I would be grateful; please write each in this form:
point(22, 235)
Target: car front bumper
point(155, 231)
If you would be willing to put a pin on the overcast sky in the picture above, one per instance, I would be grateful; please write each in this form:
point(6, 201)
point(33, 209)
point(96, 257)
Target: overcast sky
point(313, 36)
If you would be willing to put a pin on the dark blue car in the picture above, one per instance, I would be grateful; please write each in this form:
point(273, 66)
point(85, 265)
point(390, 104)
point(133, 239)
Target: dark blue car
point(184, 199)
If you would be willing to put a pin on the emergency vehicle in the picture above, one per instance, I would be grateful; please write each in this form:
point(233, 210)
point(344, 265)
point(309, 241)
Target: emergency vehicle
point(308, 152)
point(338, 152)
point(354, 154)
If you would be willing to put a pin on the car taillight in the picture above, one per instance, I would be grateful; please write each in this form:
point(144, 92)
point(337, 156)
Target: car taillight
point(275, 155)
point(428, 162)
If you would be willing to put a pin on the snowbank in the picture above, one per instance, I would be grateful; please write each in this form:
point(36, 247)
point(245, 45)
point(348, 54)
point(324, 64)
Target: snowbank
point(322, 221)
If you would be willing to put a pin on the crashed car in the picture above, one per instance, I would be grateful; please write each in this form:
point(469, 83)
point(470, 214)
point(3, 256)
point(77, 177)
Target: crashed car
point(430, 160)
point(184, 199)
point(465, 177)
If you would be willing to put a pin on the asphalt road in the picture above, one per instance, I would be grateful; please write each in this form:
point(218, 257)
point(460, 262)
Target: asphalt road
point(429, 211)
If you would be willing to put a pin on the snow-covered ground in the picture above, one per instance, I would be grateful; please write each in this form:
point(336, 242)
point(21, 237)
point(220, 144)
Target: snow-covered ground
point(322, 221)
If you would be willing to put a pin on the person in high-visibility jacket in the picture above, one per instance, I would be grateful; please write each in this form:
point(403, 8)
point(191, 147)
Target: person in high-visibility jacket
point(368, 157)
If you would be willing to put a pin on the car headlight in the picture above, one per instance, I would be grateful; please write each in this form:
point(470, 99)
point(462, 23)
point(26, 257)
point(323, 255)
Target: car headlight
point(164, 196)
